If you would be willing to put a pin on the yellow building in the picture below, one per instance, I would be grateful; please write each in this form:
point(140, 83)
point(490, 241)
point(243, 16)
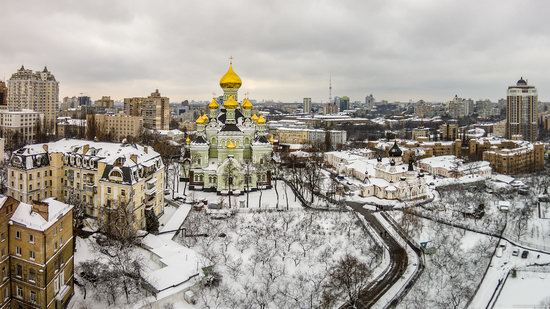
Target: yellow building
point(120, 126)
point(524, 157)
point(292, 135)
point(103, 176)
point(37, 254)
point(154, 109)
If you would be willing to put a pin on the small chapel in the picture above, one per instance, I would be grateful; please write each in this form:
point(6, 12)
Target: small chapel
point(230, 151)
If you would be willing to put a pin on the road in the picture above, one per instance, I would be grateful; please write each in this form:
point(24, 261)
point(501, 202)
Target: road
point(398, 261)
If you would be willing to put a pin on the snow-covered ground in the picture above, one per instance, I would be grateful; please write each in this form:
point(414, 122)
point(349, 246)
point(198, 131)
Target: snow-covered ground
point(276, 259)
point(529, 289)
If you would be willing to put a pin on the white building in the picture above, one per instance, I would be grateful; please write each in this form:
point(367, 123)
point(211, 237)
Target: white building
point(451, 167)
point(307, 105)
point(38, 91)
point(19, 127)
point(522, 111)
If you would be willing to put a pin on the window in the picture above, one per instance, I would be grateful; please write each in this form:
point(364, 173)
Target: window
point(19, 271)
point(108, 190)
point(32, 255)
point(19, 292)
point(30, 176)
point(32, 275)
point(18, 250)
point(3, 237)
point(55, 246)
point(6, 293)
point(18, 235)
point(31, 238)
point(38, 174)
point(33, 297)
point(4, 273)
point(122, 192)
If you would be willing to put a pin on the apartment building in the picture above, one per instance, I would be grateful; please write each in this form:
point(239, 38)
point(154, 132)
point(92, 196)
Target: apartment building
point(37, 91)
point(103, 176)
point(3, 95)
point(36, 244)
point(310, 136)
point(522, 111)
point(19, 127)
point(523, 157)
point(119, 125)
point(154, 109)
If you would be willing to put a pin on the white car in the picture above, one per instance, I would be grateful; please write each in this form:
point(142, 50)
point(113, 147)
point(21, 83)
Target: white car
point(515, 252)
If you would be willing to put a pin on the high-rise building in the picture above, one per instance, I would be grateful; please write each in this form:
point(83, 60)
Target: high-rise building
point(37, 253)
point(522, 111)
point(154, 109)
point(84, 101)
point(3, 94)
point(344, 103)
point(307, 105)
point(369, 102)
point(19, 127)
point(105, 102)
point(38, 91)
point(119, 126)
point(457, 107)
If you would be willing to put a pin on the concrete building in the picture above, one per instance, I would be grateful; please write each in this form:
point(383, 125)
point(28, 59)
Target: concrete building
point(330, 108)
point(3, 95)
point(105, 102)
point(38, 91)
point(522, 111)
point(343, 103)
point(103, 176)
point(120, 126)
point(68, 127)
point(310, 136)
point(369, 102)
point(307, 105)
point(449, 131)
point(154, 109)
point(19, 127)
point(37, 254)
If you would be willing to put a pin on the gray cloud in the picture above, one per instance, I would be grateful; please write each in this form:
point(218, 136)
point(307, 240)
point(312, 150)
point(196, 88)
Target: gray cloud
point(284, 50)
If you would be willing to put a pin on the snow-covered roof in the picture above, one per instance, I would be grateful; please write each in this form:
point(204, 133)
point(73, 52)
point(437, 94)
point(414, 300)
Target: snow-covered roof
point(25, 215)
point(503, 178)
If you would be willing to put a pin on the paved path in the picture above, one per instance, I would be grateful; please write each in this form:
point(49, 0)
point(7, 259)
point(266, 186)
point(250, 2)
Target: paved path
point(398, 260)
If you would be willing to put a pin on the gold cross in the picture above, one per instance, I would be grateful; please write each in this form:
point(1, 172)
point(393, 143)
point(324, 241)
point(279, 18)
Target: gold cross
point(246, 94)
point(230, 59)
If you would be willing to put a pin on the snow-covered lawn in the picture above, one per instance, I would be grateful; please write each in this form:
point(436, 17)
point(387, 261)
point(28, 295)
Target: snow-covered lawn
point(529, 289)
point(455, 262)
point(276, 259)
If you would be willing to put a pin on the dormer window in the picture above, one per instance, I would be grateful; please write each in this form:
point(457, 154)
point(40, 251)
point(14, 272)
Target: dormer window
point(120, 161)
point(115, 175)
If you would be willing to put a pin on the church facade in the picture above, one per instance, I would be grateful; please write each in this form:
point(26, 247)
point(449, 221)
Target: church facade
point(230, 152)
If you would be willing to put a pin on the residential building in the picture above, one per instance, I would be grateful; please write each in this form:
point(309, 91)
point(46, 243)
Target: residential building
point(545, 121)
point(20, 127)
point(452, 167)
point(37, 253)
point(369, 102)
point(302, 136)
point(343, 103)
point(449, 131)
point(423, 109)
point(154, 109)
point(68, 127)
point(330, 108)
point(3, 95)
point(457, 108)
point(420, 134)
point(105, 102)
point(228, 140)
point(103, 176)
point(522, 111)
point(307, 105)
point(37, 91)
point(119, 126)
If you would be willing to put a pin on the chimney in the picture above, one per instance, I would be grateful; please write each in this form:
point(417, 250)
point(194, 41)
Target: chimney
point(133, 157)
point(145, 149)
point(85, 149)
point(41, 208)
point(45, 146)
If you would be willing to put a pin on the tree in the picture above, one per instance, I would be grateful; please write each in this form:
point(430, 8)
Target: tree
point(346, 279)
point(229, 174)
point(151, 221)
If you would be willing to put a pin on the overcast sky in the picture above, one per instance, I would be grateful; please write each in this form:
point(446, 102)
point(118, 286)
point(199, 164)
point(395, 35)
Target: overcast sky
point(283, 50)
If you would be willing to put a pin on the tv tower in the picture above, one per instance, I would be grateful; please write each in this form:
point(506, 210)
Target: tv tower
point(330, 88)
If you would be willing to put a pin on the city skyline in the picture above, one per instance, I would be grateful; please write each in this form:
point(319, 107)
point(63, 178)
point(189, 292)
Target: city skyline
point(413, 50)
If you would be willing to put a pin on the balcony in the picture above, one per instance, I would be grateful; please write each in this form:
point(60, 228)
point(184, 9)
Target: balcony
point(90, 188)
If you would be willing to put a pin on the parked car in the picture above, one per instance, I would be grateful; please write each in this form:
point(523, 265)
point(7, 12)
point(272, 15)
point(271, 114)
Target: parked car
point(524, 254)
point(515, 252)
point(499, 252)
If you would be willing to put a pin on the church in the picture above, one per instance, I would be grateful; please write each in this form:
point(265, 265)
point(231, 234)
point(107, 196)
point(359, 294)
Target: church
point(230, 151)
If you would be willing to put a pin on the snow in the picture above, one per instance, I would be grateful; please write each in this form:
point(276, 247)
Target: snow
point(528, 290)
point(25, 215)
point(175, 222)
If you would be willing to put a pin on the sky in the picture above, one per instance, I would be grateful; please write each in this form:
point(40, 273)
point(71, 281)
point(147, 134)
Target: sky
point(283, 50)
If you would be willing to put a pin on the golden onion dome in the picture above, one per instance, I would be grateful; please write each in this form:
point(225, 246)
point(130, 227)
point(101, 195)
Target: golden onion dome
point(254, 118)
point(247, 104)
point(261, 119)
point(230, 79)
point(202, 119)
point(231, 145)
point(213, 104)
point(230, 103)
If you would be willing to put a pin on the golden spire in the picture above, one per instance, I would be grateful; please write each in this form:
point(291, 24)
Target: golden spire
point(247, 104)
point(230, 103)
point(261, 119)
point(230, 79)
point(202, 119)
point(213, 104)
point(231, 145)
point(254, 117)
point(188, 140)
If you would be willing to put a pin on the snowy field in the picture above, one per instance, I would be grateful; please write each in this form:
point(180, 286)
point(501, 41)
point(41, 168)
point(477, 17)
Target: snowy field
point(529, 289)
point(276, 259)
point(455, 262)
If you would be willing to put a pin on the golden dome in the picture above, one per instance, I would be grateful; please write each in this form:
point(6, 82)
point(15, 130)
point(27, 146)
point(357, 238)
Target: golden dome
point(230, 103)
point(213, 104)
point(261, 119)
point(254, 117)
point(247, 104)
point(202, 119)
point(188, 140)
point(230, 79)
point(231, 145)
